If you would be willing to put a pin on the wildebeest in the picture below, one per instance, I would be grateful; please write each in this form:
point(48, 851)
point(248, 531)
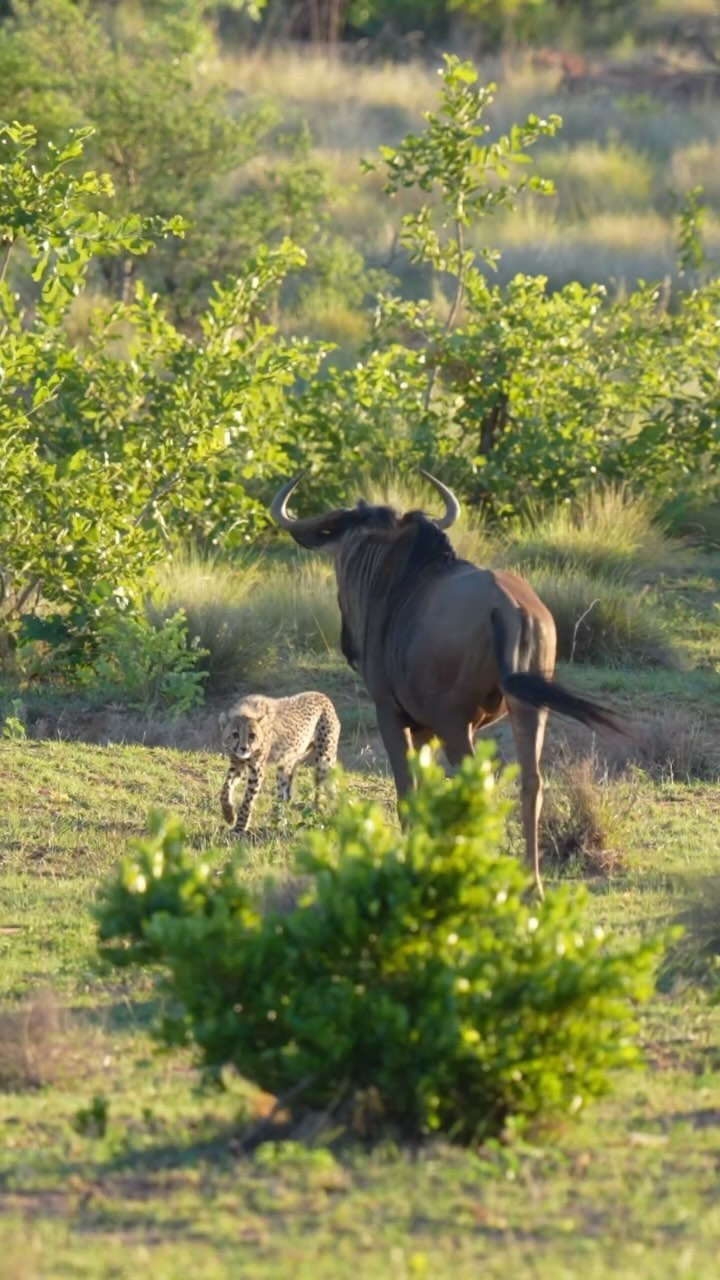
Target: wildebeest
point(445, 648)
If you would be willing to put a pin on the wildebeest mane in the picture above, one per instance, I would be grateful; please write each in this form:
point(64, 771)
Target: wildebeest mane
point(389, 567)
point(396, 559)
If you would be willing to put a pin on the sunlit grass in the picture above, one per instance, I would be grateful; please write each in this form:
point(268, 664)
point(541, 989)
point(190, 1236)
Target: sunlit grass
point(250, 616)
point(698, 164)
point(313, 76)
point(591, 178)
point(608, 532)
point(593, 562)
point(604, 622)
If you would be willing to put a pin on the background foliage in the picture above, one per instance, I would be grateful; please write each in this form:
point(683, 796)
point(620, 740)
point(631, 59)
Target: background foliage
point(156, 314)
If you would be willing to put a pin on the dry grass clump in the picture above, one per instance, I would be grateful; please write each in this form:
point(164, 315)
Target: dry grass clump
point(29, 1043)
point(216, 600)
point(593, 177)
point(678, 746)
point(325, 78)
point(698, 164)
point(603, 622)
point(297, 605)
point(608, 532)
point(585, 816)
point(695, 956)
point(695, 514)
point(251, 615)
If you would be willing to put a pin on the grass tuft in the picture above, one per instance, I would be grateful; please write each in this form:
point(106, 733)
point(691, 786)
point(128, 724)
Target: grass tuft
point(29, 1043)
point(248, 616)
point(298, 603)
point(216, 599)
point(604, 623)
point(608, 532)
point(594, 178)
point(678, 746)
point(585, 816)
point(695, 956)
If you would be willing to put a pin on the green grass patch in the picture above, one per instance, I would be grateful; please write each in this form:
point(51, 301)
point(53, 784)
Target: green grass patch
point(167, 1183)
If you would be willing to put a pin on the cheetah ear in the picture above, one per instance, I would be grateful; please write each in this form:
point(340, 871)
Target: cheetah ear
point(222, 719)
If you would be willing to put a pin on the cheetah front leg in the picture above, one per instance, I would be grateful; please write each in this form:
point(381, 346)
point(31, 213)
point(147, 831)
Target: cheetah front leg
point(285, 776)
point(232, 778)
point(241, 823)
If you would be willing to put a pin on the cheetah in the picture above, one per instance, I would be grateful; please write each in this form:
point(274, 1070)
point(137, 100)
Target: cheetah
point(258, 731)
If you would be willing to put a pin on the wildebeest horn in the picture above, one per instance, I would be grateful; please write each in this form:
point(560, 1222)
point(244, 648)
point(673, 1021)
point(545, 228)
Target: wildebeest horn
point(452, 506)
point(278, 506)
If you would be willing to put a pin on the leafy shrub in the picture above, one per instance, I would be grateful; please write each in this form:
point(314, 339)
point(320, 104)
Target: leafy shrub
point(12, 721)
point(106, 454)
point(147, 667)
point(413, 972)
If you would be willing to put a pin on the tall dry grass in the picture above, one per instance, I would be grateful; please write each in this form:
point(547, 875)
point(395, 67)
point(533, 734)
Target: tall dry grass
point(614, 163)
point(595, 177)
point(250, 615)
point(603, 622)
point(608, 532)
point(590, 562)
point(586, 815)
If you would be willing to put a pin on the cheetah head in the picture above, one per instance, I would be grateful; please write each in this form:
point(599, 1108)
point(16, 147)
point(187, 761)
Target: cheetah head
point(241, 735)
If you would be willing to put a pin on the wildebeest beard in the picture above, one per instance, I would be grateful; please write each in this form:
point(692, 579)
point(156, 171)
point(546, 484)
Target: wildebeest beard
point(382, 575)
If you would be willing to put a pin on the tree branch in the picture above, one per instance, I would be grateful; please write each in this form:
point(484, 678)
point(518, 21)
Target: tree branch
point(7, 250)
point(454, 308)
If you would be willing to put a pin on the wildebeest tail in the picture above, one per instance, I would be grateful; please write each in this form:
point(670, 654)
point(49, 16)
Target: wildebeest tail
point(537, 691)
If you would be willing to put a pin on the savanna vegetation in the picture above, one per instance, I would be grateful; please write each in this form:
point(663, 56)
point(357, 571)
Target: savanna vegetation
point(341, 1047)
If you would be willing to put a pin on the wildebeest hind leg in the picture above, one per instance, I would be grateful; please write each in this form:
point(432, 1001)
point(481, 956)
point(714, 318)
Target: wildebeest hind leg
point(528, 727)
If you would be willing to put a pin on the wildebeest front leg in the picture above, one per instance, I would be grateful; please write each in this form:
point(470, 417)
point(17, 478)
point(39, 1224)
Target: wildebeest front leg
point(528, 727)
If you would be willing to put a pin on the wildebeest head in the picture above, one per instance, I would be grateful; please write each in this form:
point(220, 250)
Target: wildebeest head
point(327, 531)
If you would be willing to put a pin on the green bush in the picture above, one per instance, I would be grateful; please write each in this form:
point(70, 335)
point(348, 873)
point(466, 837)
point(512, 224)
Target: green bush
point(415, 971)
point(106, 455)
point(147, 667)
